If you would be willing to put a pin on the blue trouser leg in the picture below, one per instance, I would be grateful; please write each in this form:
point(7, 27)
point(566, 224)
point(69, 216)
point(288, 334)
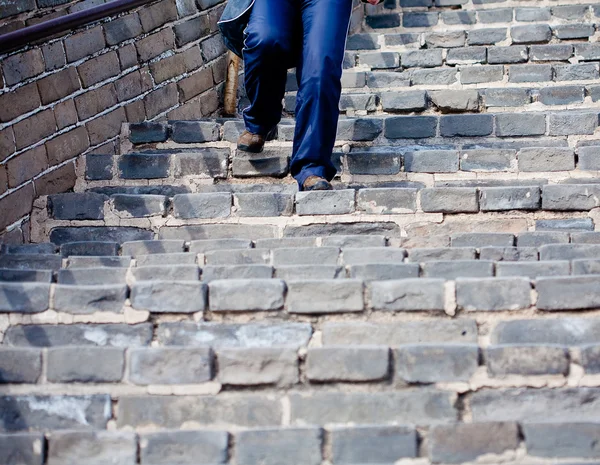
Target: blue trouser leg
point(268, 52)
point(319, 71)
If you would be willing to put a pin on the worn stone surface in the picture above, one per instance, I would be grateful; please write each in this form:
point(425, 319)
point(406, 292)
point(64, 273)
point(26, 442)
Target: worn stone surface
point(408, 295)
point(22, 448)
point(578, 439)
point(184, 447)
point(24, 297)
point(169, 296)
point(502, 360)
point(237, 295)
point(258, 366)
point(89, 299)
point(325, 202)
point(170, 365)
point(346, 363)
point(568, 293)
point(20, 366)
point(493, 294)
point(435, 363)
point(85, 364)
point(299, 445)
point(331, 296)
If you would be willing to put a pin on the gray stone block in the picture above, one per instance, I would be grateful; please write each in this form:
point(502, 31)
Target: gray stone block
point(96, 448)
point(423, 363)
point(539, 238)
point(25, 276)
point(404, 101)
point(480, 74)
point(569, 251)
point(85, 364)
point(561, 331)
point(410, 127)
point(20, 366)
point(507, 97)
point(118, 234)
point(590, 237)
point(380, 60)
point(170, 365)
point(21, 413)
point(173, 412)
point(534, 269)
point(466, 55)
point(213, 272)
point(562, 95)
point(166, 259)
point(530, 73)
point(77, 206)
point(487, 160)
point(375, 444)
point(431, 331)
point(458, 17)
point(588, 158)
point(532, 405)
point(89, 249)
point(270, 162)
point(531, 34)
point(590, 358)
point(496, 15)
point(338, 202)
point(573, 31)
point(238, 257)
point(464, 442)
point(453, 269)
point(512, 54)
point(215, 205)
point(527, 360)
point(169, 296)
point(202, 162)
point(568, 293)
point(306, 256)
point(509, 198)
point(585, 266)
point(302, 272)
point(571, 123)
point(98, 167)
point(258, 366)
point(264, 204)
point(418, 255)
point(269, 446)
point(408, 295)
point(364, 255)
point(287, 242)
point(166, 273)
point(384, 79)
point(555, 440)
point(147, 132)
point(421, 58)
point(363, 41)
point(117, 335)
point(139, 206)
point(576, 72)
point(487, 36)
point(354, 241)
point(184, 447)
point(446, 39)
point(493, 294)
point(532, 14)
point(346, 363)
point(403, 38)
point(374, 161)
point(27, 448)
point(325, 296)
point(466, 125)
point(365, 102)
point(449, 101)
point(449, 200)
point(354, 79)
point(555, 52)
point(240, 295)
point(360, 129)
point(387, 201)
point(573, 224)
point(144, 165)
point(384, 271)
point(439, 76)
point(431, 161)
point(587, 51)
point(546, 159)
point(136, 248)
point(573, 197)
point(423, 407)
point(82, 299)
point(24, 297)
point(524, 124)
point(482, 240)
point(186, 132)
point(209, 245)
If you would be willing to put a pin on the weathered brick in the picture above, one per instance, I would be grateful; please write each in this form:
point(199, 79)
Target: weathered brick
point(155, 44)
point(539, 238)
point(247, 410)
point(20, 366)
point(458, 17)
point(449, 200)
point(423, 363)
point(216, 205)
point(84, 44)
point(487, 36)
point(184, 447)
point(529, 73)
point(406, 407)
point(414, 127)
point(418, 255)
point(531, 34)
point(421, 58)
point(452, 269)
point(466, 442)
point(26, 166)
point(576, 72)
point(364, 255)
point(352, 241)
point(382, 21)
point(515, 124)
point(96, 447)
point(442, 76)
point(67, 145)
point(493, 294)
point(387, 201)
point(431, 161)
point(533, 270)
point(35, 128)
point(170, 365)
point(590, 358)
point(562, 95)
point(22, 66)
point(258, 366)
point(24, 297)
point(85, 364)
point(527, 360)
point(455, 101)
point(449, 39)
point(7, 142)
point(408, 295)
point(106, 126)
point(496, 15)
point(557, 52)
point(571, 224)
point(509, 198)
point(384, 271)
point(546, 159)
point(218, 230)
point(246, 295)
point(92, 276)
point(532, 14)
point(58, 85)
point(573, 31)
point(568, 123)
point(325, 296)
point(561, 331)
point(567, 293)
point(21, 261)
point(403, 101)
point(122, 28)
point(466, 55)
point(304, 256)
point(18, 102)
point(161, 99)
point(19, 413)
point(531, 405)
point(554, 440)
point(384, 444)
point(77, 206)
point(325, 202)
point(166, 297)
point(466, 125)
point(267, 446)
point(488, 160)
point(26, 447)
point(346, 363)
point(157, 14)
point(191, 30)
point(194, 131)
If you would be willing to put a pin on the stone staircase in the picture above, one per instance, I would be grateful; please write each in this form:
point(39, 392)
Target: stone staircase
point(187, 306)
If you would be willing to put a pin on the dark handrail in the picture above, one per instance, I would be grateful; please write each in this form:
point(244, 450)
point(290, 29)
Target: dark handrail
point(17, 39)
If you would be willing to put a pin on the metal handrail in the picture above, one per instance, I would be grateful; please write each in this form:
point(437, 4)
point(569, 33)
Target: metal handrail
point(17, 39)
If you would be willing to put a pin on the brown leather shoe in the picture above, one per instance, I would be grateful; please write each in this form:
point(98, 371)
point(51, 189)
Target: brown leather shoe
point(316, 183)
point(255, 143)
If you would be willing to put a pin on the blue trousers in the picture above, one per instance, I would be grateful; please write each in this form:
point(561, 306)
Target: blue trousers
point(310, 35)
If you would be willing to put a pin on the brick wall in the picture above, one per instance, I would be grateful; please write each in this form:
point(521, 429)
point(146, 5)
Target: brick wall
point(69, 95)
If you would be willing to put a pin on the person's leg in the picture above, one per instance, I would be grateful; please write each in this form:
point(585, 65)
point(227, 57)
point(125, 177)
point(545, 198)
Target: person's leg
point(268, 49)
point(319, 71)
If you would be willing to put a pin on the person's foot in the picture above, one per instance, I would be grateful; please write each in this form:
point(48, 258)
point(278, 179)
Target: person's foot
point(254, 143)
point(316, 183)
